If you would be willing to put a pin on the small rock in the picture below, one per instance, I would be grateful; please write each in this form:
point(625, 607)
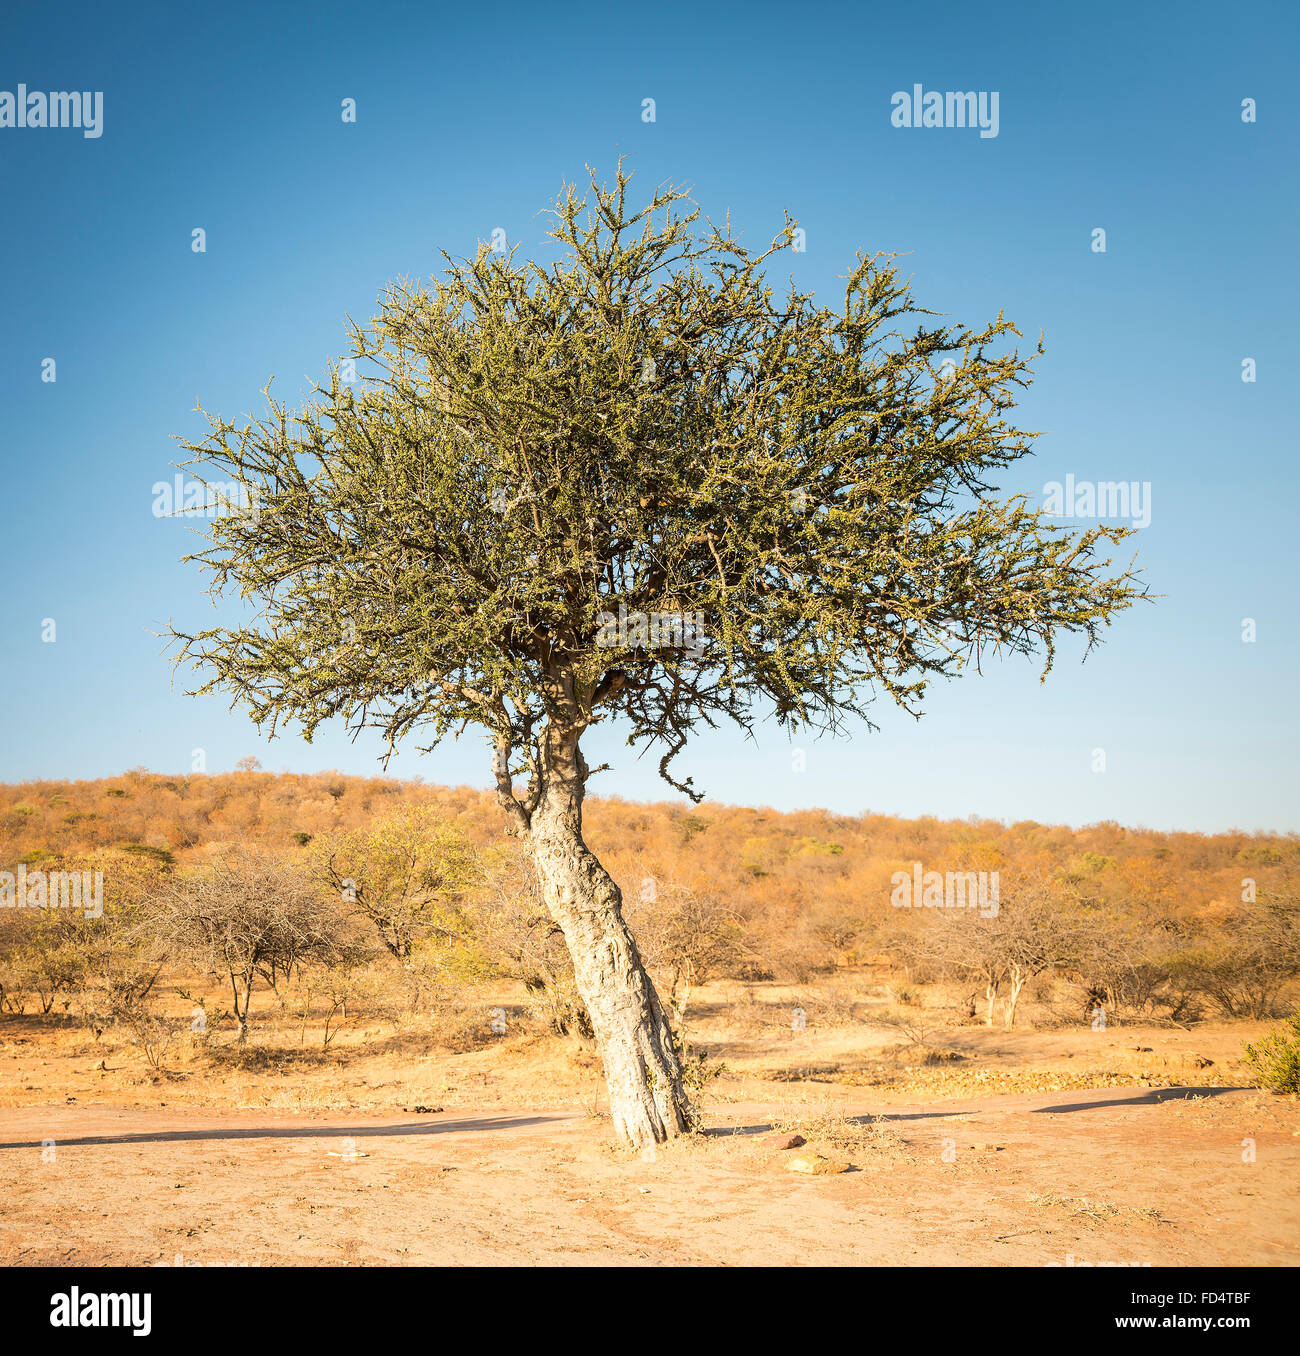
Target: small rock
point(103, 1064)
point(988, 1148)
point(784, 1141)
point(815, 1165)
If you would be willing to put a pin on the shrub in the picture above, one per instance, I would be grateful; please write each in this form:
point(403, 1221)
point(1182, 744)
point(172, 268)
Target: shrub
point(245, 916)
point(1276, 1059)
point(162, 856)
point(1245, 972)
point(403, 873)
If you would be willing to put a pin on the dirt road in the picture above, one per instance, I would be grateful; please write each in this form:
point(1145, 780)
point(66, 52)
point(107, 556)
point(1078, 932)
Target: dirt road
point(1165, 1176)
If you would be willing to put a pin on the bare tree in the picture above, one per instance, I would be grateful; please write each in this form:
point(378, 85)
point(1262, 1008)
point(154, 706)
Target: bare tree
point(248, 915)
point(689, 935)
point(1036, 929)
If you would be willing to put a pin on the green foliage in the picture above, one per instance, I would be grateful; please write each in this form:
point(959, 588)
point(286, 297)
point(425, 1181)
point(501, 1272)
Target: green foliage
point(690, 826)
point(162, 856)
point(814, 847)
point(642, 421)
point(452, 951)
point(1276, 1058)
point(405, 873)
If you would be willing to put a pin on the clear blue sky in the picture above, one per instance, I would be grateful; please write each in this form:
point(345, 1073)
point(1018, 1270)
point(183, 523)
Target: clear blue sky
point(227, 117)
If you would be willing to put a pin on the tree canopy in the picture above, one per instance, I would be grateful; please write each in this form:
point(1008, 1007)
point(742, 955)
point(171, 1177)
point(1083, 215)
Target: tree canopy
point(645, 422)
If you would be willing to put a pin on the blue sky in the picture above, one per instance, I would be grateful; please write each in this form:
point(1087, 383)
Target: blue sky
point(227, 118)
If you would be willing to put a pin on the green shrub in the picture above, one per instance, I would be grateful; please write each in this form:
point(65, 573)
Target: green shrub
point(1276, 1058)
point(163, 856)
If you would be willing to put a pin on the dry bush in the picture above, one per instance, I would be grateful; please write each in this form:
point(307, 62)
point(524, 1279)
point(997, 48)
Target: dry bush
point(916, 1026)
point(1167, 936)
point(1249, 972)
point(920, 1054)
point(829, 1128)
point(249, 915)
point(832, 1004)
point(687, 937)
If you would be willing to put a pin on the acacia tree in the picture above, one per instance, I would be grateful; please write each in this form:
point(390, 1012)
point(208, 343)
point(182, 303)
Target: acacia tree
point(638, 421)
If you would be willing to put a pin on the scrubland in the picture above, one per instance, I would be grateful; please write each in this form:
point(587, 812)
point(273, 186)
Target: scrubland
point(325, 1020)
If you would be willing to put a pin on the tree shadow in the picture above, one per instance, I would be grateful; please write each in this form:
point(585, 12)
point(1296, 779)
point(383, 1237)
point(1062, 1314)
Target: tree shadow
point(1150, 1097)
point(295, 1132)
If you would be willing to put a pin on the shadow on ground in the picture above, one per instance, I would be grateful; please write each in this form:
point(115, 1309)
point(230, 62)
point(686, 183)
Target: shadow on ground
point(1152, 1097)
point(299, 1132)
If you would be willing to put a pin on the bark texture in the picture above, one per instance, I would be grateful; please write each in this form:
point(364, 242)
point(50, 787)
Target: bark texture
point(642, 1069)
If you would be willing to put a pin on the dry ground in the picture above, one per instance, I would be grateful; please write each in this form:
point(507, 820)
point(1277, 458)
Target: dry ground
point(1063, 1146)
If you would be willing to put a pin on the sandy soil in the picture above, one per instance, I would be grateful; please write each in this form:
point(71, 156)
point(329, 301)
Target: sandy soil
point(1035, 1147)
point(1114, 1175)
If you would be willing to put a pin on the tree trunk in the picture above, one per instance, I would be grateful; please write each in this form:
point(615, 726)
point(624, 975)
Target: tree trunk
point(241, 1016)
point(642, 1069)
point(679, 1005)
point(991, 993)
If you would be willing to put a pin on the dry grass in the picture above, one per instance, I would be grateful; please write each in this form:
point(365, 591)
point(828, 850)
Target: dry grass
point(828, 1128)
point(1103, 1212)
